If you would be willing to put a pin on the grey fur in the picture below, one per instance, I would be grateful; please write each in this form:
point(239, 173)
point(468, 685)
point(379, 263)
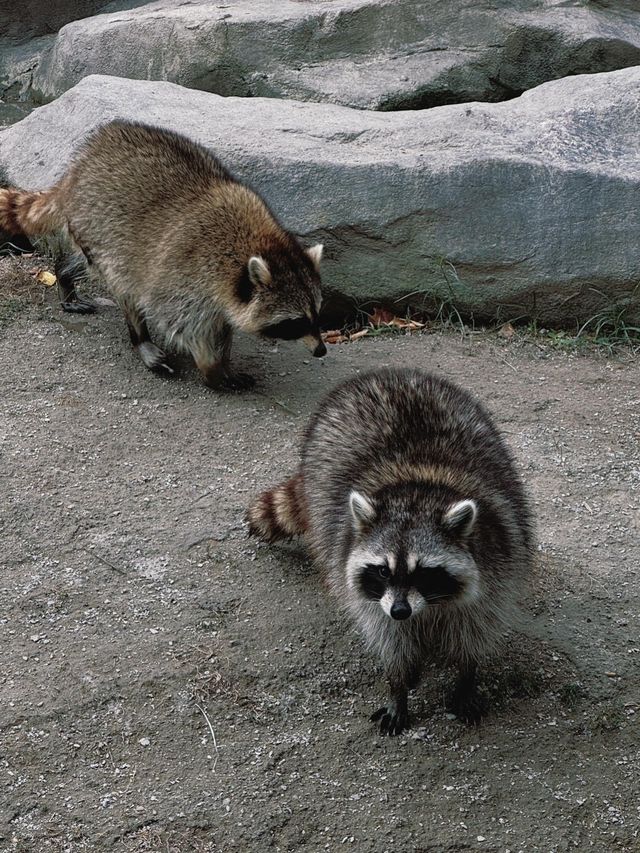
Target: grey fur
point(414, 446)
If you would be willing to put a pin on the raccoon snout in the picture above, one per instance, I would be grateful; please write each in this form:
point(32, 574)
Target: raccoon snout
point(315, 344)
point(400, 609)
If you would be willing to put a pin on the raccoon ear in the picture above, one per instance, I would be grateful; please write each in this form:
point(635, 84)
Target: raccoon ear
point(460, 518)
point(259, 273)
point(362, 509)
point(315, 253)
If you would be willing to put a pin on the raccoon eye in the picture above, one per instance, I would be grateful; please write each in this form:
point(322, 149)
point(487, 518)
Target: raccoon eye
point(384, 571)
point(288, 330)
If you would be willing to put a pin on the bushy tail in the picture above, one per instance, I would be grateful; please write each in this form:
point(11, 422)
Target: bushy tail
point(33, 214)
point(279, 513)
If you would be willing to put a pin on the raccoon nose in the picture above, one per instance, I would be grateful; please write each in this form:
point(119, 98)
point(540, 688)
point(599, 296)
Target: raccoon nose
point(320, 350)
point(400, 609)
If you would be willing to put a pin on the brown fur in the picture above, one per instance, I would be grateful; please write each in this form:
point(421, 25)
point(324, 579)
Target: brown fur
point(180, 242)
point(280, 513)
point(31, 213)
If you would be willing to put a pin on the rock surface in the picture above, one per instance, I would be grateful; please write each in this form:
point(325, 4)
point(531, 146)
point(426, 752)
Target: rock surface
point(527, 208)
point(389, 54)
point(31, 18)
point(27, 33)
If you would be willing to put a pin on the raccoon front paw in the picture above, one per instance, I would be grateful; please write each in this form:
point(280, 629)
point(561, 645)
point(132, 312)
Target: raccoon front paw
point(155, 359)
point(469, 705)
point(393, 719)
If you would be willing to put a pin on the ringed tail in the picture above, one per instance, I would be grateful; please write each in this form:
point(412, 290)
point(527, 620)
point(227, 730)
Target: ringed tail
point(30, 213)
point(280, 512)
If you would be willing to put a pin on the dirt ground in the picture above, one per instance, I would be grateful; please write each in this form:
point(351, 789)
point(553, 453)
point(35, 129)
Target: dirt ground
point(170, 685)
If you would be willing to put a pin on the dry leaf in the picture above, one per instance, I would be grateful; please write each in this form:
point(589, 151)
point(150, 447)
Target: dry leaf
point(381, 317)
point(410, 325)
point(47, 278)
point(355, 335)
point(507, 331)
point(334, 336)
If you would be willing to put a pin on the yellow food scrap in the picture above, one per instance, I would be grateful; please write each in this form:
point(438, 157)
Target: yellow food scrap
point(47, 278)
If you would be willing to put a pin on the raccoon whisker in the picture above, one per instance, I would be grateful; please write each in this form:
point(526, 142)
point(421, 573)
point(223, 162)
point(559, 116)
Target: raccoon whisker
point(438, 597)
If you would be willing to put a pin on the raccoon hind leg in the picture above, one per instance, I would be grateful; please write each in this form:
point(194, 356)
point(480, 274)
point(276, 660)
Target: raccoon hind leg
point(279, 513)
point(466, 700)
point(153, 357)
point(393, 718)
point(70, 268)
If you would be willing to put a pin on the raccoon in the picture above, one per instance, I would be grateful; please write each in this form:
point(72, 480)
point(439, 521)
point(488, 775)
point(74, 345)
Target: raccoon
point(411, 504)
point(181, 243)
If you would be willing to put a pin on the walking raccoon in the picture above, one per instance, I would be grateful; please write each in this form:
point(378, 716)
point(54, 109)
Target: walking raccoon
point(180, 243)
point(410, 502)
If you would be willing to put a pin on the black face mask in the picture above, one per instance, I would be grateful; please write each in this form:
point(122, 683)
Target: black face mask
point(289, 330)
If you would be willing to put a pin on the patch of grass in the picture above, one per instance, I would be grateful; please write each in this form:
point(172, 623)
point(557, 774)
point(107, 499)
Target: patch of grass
point(447, 314)
point(611, 327)
point(571, 694)
point(558, 339)
point(609, 330)
point(448, 317)
point(517, 682)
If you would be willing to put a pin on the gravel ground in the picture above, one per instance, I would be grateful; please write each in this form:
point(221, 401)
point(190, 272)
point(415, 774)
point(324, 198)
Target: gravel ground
point(170, 685)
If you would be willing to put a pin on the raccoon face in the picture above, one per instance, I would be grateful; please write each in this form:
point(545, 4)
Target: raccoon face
point(282, 295)
point(407, 569)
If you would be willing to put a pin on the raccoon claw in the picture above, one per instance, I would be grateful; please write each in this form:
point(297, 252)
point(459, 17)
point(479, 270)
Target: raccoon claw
point(392, 720)
point(79, 305)
point(155, 359)
point(238, 381)
point(468, 706)
point(224, 380)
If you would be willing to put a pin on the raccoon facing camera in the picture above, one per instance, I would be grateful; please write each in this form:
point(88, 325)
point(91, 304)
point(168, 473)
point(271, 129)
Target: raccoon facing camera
point(411, 504)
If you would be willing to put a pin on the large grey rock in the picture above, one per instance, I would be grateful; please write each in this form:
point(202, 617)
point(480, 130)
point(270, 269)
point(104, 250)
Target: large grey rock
point(526, 208)
point(30, 18)
point(27, 34)
point(387, 54)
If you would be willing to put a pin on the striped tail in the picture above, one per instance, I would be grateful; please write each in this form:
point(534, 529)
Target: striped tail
point(29, 213)
point(279, 513)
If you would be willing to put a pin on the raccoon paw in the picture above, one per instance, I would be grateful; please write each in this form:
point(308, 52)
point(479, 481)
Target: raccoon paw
point(155, 359)
point(221, 379)
point(238, 381)
point(79, 305)
point(469, 706)
point(392, 719)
